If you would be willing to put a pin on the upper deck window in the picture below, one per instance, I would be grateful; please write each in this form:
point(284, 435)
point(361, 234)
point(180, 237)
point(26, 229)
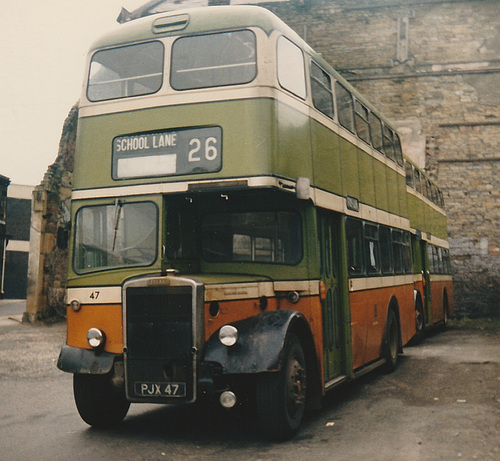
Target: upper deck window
point(132, 70)
point(291, 70)
point(205, 61)
point(345, 106)
point(321, 87)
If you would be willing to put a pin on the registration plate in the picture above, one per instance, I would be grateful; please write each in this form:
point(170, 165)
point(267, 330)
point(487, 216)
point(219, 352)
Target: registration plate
point(160, 389)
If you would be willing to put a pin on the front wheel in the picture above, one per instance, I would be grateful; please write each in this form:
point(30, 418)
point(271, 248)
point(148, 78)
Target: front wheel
point(98, 402)
point(281, 395)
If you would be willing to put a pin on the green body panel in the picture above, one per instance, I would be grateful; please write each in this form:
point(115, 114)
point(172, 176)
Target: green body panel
point(380, 174)
point(349, 168)
point(393, 191)
point(402, 195)
point(246, 152)
point(425, 218)
point(326, 158)
point(366, 179)
point(292, 156)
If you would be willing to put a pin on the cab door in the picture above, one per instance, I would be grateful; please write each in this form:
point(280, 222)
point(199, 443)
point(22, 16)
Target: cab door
point(329, 252)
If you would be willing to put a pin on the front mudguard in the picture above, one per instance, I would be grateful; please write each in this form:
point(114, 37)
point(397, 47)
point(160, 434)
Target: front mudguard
point(84, 361)
point(260, 345)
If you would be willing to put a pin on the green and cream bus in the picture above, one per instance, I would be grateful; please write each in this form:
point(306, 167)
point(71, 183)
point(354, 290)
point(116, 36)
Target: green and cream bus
point(244, 224)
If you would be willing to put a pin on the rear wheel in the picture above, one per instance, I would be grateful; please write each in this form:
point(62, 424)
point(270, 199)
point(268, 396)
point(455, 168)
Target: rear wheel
point(445, 311)
point(281, 396)
point(419, 320)
point(391, 342)
point(99, 403)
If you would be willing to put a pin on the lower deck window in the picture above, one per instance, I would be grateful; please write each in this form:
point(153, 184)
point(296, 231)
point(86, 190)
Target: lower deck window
point(267, 237)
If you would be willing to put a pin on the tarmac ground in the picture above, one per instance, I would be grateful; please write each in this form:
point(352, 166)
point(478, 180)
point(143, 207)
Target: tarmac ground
point(441, 403)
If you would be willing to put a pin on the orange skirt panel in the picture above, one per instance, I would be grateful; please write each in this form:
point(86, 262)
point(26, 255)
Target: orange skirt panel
point(368, 317)
point(106, 317)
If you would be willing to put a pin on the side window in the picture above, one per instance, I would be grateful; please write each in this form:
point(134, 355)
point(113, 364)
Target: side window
point(407, 258)
point(430, 257)
point(388, 143)
point(397, 251)
point(385, 250)
point(344, 106)
point(354, 236)
point(398, 150)
point(446, 260)
point(427, 188)
point(291, 71)
point(321, 87)
point(409, 175)
point(376, 131)
point(418, 183)
point(372, 257)
point(361, 118)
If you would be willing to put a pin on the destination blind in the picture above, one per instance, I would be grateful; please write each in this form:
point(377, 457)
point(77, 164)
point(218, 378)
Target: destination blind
point(167, 153)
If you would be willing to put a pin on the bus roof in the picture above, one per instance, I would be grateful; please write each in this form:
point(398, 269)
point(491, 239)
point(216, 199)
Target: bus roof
point(194, 21)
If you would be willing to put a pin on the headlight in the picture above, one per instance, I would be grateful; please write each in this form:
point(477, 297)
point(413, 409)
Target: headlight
point(228, 335)
point(75, 305)
point(96, 338)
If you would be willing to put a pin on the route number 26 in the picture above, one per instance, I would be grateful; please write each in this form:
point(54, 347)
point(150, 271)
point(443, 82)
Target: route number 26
point(210, 151)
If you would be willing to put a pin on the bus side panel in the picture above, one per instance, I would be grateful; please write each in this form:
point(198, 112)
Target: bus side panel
point(438, 288)
point(368, 317)
point(350, 169)
point(292, 158)
point(393, 191)
point(366, 178)
point(379, 171)
point(327, 171)
point(403, 196)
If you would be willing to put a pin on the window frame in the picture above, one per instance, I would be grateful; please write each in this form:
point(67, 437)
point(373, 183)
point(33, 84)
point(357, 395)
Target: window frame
point(204, 248)
point(117, 203)
point(362, 119)
point(282, 67)
point(345, 109)
point(124, 96)
point(316, 83)
point(181, 88)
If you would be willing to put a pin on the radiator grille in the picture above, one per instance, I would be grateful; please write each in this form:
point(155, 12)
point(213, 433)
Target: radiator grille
point(159, 336)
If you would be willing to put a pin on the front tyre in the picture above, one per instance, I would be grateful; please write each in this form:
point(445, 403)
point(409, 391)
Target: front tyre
point(281, 396)
point(99, 403)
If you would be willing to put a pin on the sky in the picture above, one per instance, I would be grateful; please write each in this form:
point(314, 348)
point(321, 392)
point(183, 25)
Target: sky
point(42, 55)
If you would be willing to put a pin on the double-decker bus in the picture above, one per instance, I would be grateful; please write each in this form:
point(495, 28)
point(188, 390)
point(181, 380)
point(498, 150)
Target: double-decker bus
point(244, 224)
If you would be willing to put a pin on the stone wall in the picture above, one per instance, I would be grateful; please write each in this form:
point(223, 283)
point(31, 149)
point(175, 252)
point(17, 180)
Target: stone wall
point(48, 260)
point(433, 67)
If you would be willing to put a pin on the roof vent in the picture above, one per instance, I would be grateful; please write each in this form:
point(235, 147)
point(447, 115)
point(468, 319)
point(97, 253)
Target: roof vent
point(170, 23)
